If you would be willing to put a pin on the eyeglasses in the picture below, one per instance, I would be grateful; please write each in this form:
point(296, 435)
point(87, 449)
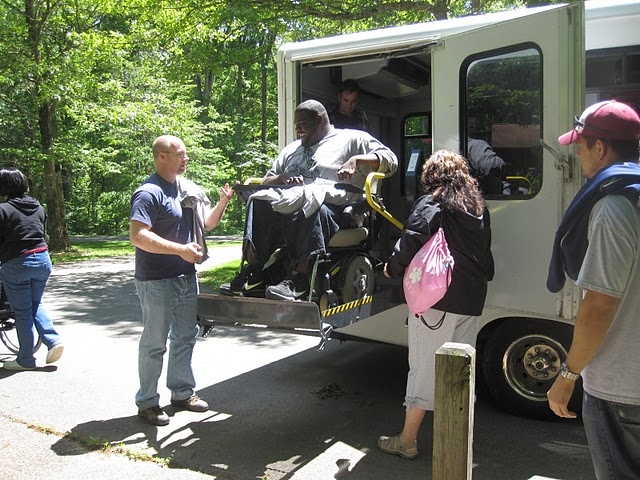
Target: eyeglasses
point(579, 127)
point(181, 155)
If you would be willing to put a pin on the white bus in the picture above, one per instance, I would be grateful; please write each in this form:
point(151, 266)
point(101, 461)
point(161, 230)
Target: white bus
point(515, 79)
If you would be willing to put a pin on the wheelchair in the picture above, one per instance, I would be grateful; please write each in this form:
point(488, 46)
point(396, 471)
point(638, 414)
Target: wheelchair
point(341, 281)
point(346, 272)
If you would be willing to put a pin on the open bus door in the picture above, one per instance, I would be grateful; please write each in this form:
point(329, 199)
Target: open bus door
point(516, 75)
point(517, 85)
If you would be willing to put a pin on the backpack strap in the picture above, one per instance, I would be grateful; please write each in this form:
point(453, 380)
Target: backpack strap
point(435, 326)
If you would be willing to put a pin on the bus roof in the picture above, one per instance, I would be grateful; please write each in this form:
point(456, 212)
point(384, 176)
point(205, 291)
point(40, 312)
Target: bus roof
point(407, 36)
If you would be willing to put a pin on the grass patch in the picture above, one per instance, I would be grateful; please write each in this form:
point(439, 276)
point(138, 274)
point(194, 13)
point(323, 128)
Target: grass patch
point(95, 444)
point(219, 274)
point(89, 250)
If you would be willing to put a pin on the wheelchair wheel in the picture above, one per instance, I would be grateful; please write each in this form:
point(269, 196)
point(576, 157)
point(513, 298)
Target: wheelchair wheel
point(9, 336)
point(358, 279)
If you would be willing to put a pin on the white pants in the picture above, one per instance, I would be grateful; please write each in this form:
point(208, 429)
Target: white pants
point(423, 344)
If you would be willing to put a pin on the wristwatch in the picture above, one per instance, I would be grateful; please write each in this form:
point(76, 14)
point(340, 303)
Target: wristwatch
point(566, 373)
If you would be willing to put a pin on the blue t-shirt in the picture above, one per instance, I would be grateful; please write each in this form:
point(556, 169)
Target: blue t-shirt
point(156, 203)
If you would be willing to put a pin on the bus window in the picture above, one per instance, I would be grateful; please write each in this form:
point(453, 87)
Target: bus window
point(416, 147)
point(500, 121)
point(613, 74)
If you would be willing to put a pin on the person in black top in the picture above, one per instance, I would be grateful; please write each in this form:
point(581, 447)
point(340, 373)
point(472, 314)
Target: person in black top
point(26, 267)
point(346, 113)
point(451, 199)
point(486, 166)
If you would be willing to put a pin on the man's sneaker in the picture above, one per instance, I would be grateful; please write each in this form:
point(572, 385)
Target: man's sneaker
point(154, 416)
point(293, 288)
point(254, 286)
point(234, 288)
point(194, 404)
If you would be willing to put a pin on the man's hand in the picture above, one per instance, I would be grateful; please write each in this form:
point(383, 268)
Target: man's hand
point(559, 396)
point(386, 270)
point(347, 170)
point(192, 252)
point(292, 179)
point(227, 192)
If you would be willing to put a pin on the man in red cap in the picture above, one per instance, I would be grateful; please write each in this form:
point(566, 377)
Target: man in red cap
point(598, 246)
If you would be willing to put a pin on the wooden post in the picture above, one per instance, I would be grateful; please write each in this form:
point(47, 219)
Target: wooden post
point(453, 415)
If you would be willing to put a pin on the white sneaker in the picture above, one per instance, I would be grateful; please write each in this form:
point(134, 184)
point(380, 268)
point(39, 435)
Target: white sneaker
point(15, 366)
point(54, 353)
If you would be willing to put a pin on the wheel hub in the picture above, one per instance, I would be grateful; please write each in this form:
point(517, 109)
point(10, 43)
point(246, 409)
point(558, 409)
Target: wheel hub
point(530, 365)
point(541, 361)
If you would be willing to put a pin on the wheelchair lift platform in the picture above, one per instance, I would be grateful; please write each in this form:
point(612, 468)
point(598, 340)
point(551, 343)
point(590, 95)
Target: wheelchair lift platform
point(304, 317)
point(220, 309)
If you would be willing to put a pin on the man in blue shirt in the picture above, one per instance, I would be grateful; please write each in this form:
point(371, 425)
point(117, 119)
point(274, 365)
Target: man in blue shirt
point(163, 232)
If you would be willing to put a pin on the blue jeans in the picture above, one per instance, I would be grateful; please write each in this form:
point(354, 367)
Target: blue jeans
point(169, 309)
point(24, 280)
point(613, 432)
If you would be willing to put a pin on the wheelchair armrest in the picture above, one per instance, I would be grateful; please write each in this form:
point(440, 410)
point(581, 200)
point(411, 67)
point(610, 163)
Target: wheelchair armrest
point(252, 180)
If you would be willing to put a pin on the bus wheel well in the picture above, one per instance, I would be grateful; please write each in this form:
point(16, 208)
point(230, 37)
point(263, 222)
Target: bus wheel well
point(518, 361)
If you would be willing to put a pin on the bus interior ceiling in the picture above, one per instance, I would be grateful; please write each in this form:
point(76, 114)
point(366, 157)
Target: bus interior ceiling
point(390, 90)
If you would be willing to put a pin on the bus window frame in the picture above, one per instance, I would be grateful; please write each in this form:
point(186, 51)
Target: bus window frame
point(465, 66)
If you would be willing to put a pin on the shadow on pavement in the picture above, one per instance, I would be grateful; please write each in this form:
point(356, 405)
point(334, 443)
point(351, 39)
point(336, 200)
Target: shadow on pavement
point(276, 419)
point(275, 413)
point(286, 421)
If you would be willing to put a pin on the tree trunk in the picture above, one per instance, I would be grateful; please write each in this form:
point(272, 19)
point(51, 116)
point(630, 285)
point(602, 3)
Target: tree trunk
point(263, 100)
point(56, 220)
point(440, 9)
point(267, 45)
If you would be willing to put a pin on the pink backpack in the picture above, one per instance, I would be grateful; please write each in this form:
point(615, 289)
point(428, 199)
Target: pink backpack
point(428, 276)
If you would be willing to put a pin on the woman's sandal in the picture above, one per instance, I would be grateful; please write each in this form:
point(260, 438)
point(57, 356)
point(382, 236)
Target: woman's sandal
point(395, 446)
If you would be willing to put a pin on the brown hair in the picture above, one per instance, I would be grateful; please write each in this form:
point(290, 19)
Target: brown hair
point(446, 176)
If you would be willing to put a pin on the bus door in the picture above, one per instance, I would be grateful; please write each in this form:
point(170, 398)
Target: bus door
point(515, 86)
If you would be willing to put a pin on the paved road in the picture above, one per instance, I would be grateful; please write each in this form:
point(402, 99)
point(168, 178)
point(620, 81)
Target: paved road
point(269, 419)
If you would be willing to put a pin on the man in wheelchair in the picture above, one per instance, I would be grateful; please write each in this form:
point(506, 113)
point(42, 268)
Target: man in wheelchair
point(310, 179)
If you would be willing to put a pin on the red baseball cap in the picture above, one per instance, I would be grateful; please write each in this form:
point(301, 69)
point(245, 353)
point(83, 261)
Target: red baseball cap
point(608, 120)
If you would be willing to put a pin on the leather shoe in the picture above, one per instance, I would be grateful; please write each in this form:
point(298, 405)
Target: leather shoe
point(193, 404)
point(154, 415)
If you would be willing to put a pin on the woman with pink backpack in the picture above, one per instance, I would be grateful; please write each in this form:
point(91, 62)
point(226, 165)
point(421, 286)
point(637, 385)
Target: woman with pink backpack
point(451, 200)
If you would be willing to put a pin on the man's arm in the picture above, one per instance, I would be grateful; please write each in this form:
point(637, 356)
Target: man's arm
point(142, 237)
point(347, 170)
point(593, 320)
point(386, 161)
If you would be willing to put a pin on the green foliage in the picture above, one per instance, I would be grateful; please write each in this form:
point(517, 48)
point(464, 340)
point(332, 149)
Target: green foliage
point(118, 74)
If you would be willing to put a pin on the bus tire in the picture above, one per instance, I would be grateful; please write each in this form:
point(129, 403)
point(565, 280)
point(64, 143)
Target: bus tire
point(520, 361)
